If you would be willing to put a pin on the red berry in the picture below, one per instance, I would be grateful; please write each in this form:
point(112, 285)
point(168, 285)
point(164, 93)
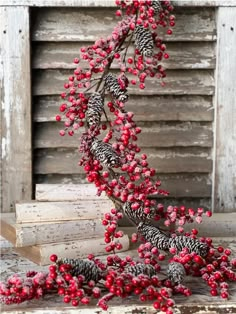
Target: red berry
point(214, 292)
point(53, 258)
point(67, 299)
point(224, 295)
point(75, 302)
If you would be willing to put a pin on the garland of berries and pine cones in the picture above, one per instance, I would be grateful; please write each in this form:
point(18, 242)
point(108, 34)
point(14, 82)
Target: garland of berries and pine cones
point(113, 161)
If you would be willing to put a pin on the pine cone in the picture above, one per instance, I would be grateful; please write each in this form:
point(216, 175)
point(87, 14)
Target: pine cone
point(154, 236)
point(86, 268)
point(137, 215)
point(104, 153)
point(193, 245)
point(95, 108)
point(176, 272)
point(156, 5)
point(112, 85)
point(141, 269)
point(143, 41)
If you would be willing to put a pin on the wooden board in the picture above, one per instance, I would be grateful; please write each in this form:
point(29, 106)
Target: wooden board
point(15, 98)
point(40, 254)
point(224, 190)
point(59, 161)
point(60, 55)
point(28, 234)
point(158, 135)
point(178, 82)
point(180, 185)
point(88, 24)
point(145, 108)
point(219, 225)
point(62, 211)
point(108, 3)
point(70, 192)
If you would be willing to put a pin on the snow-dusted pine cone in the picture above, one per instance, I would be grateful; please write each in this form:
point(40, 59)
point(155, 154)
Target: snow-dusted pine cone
point(95, 108)
point(143, 41)
point(137, 215)
point(156, 5)
point(113, 86)
point(86, 268)
point(153, 235)
point(144, 269)
point(193, 245)
point(176, 272)
point(104, 153)
point(160, 240)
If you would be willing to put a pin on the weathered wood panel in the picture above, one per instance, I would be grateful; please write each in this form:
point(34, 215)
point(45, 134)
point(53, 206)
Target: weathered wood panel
point(225, 149)
point(178, 82)
point(145, 108)
point(46, 232)
point(66, 24)
point(219, 225)
point(109, 3)
point(40, 254)
point(179, 185)
point(58, 211)
point(156, 134)
point(163, 160)
point(16, 182)
point(60, 55)
point(180, 148)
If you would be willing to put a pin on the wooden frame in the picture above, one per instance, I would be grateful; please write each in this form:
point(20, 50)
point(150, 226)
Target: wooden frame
point(107, 3)
point(224, 172)
point(15, 83)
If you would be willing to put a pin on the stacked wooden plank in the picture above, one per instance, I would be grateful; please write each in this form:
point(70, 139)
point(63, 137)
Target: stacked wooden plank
point(64, 220)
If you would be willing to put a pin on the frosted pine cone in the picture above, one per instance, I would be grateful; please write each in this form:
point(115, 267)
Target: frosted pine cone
point(193, 245)
point(153, 235)
point(137, 215)
point(160, 240)
point(117, 90)
point(143, 41)
point(176, 272)
point(156, 5)
point(104, 153)
point(95, 108)
point(86, 268)
point(141, 269)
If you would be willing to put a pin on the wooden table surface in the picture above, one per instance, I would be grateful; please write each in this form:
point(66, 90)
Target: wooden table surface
point(200, 302)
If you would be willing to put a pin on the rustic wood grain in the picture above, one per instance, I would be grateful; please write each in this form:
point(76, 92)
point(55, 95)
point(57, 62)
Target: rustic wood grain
point(108, 3)
point(40, 254)
point(219, 225)
point(60, 55)
point(145, 108)
point(163, 160)
point(156, 134)
point(70, 192)
point(178, 82)
point(88, 24)
point(28, 234)
point(62, 211)
point(15, 97)
point(224, 190)
point(179, 185)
